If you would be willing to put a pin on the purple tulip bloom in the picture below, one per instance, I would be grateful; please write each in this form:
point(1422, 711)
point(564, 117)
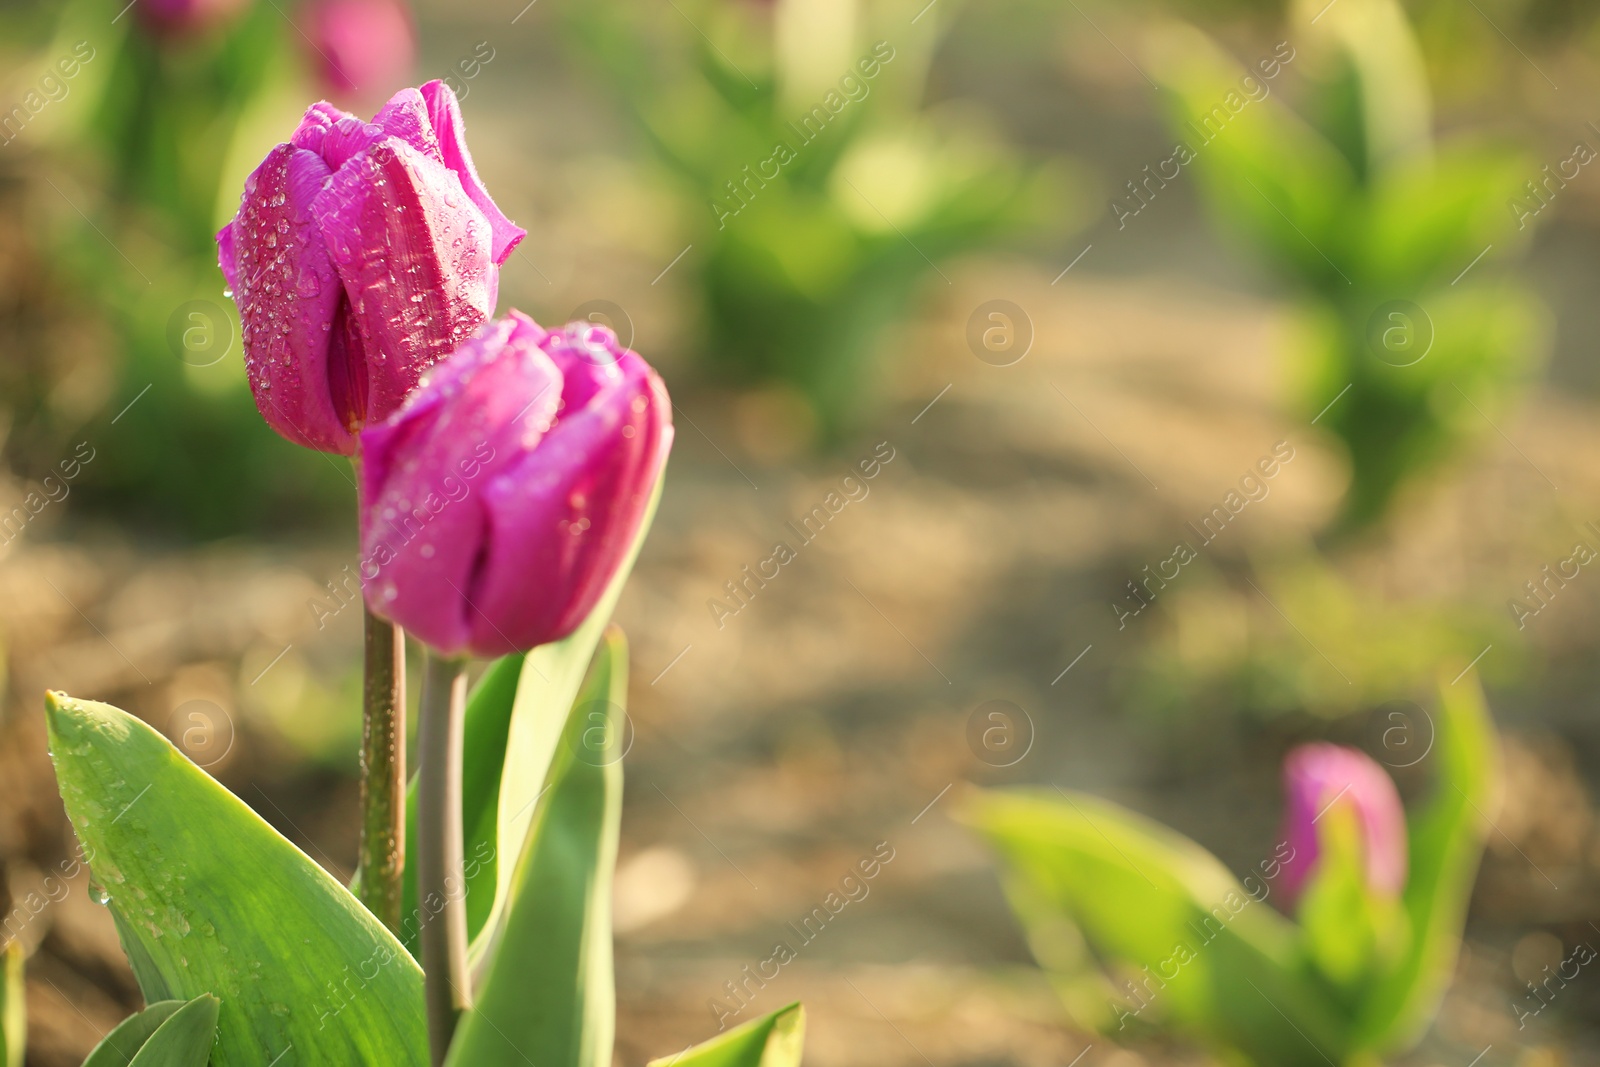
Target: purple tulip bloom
point(499, 502)
point(1319, 778)
point(362, 253)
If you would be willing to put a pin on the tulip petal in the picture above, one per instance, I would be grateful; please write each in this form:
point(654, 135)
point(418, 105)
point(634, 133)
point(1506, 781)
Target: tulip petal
point(315, 124)
point(445, 112)
point(347, 372)
point(337, 136)
point(287, 292)
point(382, 441)
point(406, 116)
point(568, 512)
point(425, 470)
point(414, 258)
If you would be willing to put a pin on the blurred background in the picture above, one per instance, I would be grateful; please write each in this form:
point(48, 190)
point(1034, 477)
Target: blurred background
point(1068, 279)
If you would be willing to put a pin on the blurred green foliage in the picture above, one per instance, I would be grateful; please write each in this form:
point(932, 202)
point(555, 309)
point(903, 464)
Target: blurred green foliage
point(1412, 340)
point(135, 168)
point(1536, 18)
point(817, 190)
point(1351, 648)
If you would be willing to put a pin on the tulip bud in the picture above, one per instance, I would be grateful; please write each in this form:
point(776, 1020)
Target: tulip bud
point(183, 18)
point(500, 501)
point(362, 253)
point(1323, 782)
point(360, 46)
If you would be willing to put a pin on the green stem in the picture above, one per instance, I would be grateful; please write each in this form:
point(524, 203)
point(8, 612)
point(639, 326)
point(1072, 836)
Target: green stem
point(382, 859)
point(440, 850)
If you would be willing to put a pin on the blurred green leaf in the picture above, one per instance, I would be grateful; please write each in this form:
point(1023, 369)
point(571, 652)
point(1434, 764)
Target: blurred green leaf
point(1447, 836)
point(1349, 930)
point(1154, 903)
point(1382, 71)
point(13, 1006)
point(125, 1040)
point(1423, 223)
point(1261, 166)
point(208, 898)
point(1397, 422)
point(775, 1040)
point(184, 1038)
point(546, 990)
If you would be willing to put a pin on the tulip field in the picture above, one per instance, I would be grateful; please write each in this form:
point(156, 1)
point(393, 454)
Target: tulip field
point(750, 533)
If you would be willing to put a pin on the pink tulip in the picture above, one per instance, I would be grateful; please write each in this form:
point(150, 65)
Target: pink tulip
point(362, 253)
point(499, 502)
point(1321, 779)
point(182, 18)
point(360, 46)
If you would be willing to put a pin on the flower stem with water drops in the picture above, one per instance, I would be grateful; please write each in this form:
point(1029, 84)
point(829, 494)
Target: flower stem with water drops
point(382, 857)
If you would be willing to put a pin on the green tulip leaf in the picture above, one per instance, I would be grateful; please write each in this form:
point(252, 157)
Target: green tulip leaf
point(774, 1040)
point(1349, 929)
point(546, 992)
point(125, 1040)
point(183, 1039)
point(208, 898)
point(1446, 837)
point(1152, 905)
point(13, 1006)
